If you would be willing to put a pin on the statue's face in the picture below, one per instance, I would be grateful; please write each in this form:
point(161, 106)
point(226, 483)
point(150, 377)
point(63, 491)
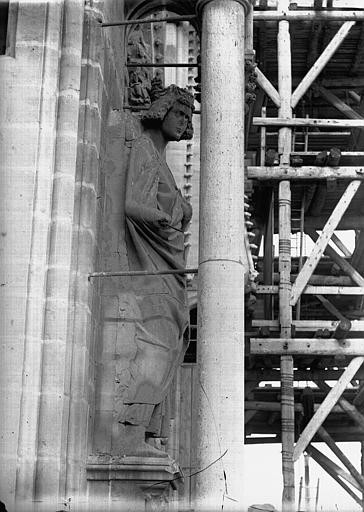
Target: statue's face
point(175, 123)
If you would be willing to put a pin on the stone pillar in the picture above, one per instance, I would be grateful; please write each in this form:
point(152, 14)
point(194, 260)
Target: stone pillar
point(29, 82)
point(222, 261)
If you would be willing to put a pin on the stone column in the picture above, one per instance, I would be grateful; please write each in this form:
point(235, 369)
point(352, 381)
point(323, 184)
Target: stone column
point(222, 261)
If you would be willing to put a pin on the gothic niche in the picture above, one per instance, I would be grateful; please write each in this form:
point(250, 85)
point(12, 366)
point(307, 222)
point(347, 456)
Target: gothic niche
point(145, 45)
point(157, 216)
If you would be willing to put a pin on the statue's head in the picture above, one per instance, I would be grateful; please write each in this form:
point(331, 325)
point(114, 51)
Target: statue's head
point(172, 98)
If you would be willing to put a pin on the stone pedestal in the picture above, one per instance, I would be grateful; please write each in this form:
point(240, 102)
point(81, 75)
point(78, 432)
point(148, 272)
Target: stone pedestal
point(132, 483)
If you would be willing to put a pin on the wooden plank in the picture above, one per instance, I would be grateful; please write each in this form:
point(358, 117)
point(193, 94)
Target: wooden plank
point(309, 122)
point(268, 261)
point(336, 102)
point(256, 405)
point(351, 221)
point(310, 325)
point(328, 403)
point(267, 87)
point(343, 82)
point(341, 246)
point(321, 62)
point(329, 306)
point(325, 436)
point(306, 172)
point(307, 346)
point(346, 406)
point(316, 280)
point(314, 153)
point(320, 459)
point(307, 15)
point(323, 240)
point(268, 375)
point(315, 290)
point(339, 260)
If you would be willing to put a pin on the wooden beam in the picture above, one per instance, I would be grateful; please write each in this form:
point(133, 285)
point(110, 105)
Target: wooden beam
point(268, 375)
point(346, 406)
point(347, 223)
point(306, 172)
point(308, 122)
point(325, 436)
point(306, 15)
point(316, 290)
point(307, 346)
point(268, 262)
point(317, 279)
point(343, 82)
point(321, 62)
point(328, 403)
point(330, 307)
point(323, 240)
point(341, 246)
point(336, 102)
point(255, 405)
point(320, 458)
point(359, 399)
point(314, 153)
point(339, 260)
point(284, 216)
point(310, 325)
point(267, 87)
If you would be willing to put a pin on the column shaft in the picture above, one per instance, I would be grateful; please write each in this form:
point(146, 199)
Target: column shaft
point(222, 262)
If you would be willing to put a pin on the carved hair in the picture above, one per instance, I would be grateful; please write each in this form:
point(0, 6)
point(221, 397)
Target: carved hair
point(163, 104)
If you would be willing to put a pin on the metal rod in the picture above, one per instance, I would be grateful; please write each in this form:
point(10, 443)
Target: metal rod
point(163, 65)
point(136, 109)
point(144, 272)
point(171, 19)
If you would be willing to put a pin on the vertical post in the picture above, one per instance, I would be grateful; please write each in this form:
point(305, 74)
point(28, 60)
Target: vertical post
point(307, 483)
point(284, 149)
point(222, 261)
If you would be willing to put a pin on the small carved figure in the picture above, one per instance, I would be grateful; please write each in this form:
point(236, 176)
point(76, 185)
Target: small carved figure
point(156, 218)
point(139, 87)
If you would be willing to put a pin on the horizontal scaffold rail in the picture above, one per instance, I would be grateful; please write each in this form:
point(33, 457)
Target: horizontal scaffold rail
point(309, 15)
point(308, 122)
point(303, 346)
point(316, 290)
point(307, 172)
point(310, 325)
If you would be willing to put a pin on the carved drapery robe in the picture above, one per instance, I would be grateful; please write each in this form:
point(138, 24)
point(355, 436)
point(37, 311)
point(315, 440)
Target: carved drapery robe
point(152, 194)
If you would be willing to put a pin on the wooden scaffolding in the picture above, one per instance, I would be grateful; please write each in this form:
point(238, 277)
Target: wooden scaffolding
point(308, 320)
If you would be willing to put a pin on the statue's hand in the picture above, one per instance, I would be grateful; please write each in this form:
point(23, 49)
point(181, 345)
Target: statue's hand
point(165, 221)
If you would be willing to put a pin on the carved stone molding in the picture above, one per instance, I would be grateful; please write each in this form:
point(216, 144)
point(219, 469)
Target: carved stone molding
point(151, 479)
